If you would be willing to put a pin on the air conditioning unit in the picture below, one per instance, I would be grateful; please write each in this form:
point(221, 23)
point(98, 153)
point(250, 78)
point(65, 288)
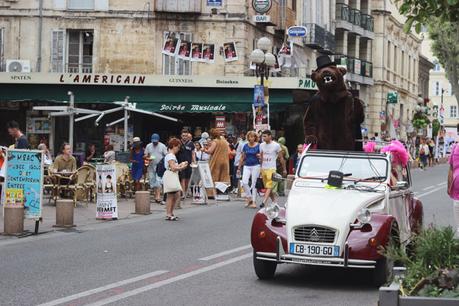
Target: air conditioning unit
point(18, 66)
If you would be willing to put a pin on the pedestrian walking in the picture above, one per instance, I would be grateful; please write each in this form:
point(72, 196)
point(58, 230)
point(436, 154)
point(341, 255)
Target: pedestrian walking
point(20, 140)
point(250, 160)
point(171, 181)
point(154, 153)
point(453, 184)
point(285, 156)
point(219, 151)
point(270, 151)
point(431, 145)
point(423, 154)
point(187, 154)
point(136, 158)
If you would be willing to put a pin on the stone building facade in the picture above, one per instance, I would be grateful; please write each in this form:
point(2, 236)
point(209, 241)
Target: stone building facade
point(396, 57)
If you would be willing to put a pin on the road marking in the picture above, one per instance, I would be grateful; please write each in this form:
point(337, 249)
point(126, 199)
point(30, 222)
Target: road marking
point(427, 188)
point(103, 288)
point(441, 184)
point(226, 252)
point(429, 192)
point(171, 280)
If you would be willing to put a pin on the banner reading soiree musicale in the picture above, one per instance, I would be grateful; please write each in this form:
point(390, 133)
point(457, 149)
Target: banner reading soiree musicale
point(24, 181)
point(106, 205)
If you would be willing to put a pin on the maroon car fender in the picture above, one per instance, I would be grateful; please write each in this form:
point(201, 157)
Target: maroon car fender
point(417, 216)
point(265, 231)
point(359, 239)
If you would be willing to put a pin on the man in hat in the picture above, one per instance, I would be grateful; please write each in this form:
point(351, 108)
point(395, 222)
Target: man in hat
point(154, 153)
point(333, 117)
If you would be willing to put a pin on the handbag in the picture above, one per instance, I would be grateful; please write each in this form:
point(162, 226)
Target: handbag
point(171, 182)
point(259, 184)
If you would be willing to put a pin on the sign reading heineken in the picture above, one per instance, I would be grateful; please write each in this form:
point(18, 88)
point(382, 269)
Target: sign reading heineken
point(392, 97)
point(262, 6)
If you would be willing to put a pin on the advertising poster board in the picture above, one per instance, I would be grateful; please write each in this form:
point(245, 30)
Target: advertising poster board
point(106, 205)
point(230, 52)
point(206, 176)
point(24, 181)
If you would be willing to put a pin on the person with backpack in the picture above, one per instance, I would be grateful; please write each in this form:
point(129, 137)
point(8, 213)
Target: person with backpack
point(453, 184)
point(423, 154)
point(154, 153)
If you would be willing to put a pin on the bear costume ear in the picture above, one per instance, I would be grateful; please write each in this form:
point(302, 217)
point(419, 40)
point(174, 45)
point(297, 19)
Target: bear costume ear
point(314, 75)
point(343, 70)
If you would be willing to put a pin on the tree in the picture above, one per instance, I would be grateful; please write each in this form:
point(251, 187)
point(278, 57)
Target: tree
point(442, 19)
point(445, 46)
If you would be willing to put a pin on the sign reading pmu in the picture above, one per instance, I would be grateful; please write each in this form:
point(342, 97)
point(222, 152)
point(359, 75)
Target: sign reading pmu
point(297, 31)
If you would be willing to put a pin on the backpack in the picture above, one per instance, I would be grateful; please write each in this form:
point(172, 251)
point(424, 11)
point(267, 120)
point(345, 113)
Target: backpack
point(160, 168)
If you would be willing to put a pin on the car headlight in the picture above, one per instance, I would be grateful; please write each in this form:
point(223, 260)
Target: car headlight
point(272, 211)
point(364, 216)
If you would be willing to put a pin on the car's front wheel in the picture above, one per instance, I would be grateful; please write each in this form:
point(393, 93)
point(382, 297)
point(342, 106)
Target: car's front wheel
point(383, 271)
point(264, 269)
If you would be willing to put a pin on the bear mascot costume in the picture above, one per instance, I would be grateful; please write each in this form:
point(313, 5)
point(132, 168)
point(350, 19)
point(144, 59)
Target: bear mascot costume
point(333, 117)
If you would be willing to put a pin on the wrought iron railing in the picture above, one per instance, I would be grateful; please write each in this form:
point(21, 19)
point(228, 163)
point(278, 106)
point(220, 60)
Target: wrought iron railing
point(355, 17)
point(342, 12)
point(367, 22)
point(316, 36)
point(355, 65)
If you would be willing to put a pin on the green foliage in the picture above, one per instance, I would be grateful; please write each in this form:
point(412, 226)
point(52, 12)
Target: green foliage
point(422, 11)
point(435, 127)
point(433, 268)
point(420, 120)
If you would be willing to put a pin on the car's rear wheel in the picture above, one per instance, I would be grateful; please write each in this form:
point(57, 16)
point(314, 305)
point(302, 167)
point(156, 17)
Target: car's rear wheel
point(383, 271)
point(264, 269)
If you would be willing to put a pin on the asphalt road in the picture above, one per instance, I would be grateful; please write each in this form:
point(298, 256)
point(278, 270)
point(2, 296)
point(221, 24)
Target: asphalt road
point(203, 259)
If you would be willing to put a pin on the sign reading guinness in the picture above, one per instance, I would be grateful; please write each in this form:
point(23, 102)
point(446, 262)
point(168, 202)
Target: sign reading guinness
point(262, 6)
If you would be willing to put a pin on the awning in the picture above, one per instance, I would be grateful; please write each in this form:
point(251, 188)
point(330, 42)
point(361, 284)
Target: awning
point(158, 99)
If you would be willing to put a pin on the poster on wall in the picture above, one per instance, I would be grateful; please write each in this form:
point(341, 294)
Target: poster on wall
point(171, 44)
point(184, 50)
point(24, 181)
point(106, 205)
point(258, 95)
point(196, 52)
point(208, 53)
point(230, 52)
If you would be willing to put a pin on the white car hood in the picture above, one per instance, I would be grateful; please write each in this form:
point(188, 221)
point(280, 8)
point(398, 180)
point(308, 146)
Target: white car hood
point(333, 208)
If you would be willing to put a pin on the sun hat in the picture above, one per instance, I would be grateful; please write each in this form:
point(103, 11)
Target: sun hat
point(136, 139)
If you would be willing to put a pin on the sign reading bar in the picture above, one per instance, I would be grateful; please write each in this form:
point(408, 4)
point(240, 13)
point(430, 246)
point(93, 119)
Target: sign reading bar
point(261, 18)
point(106, 206)
point(24, 181)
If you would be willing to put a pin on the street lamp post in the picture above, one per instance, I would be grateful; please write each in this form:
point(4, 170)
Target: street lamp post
point(264, 61)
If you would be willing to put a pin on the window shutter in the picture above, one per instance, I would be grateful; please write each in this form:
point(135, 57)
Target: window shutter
point(57, 50)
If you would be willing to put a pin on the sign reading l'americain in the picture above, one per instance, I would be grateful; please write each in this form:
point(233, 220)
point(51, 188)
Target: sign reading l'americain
point(102, 79)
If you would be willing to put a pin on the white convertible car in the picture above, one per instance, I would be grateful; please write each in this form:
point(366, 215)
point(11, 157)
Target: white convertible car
point(343, 208)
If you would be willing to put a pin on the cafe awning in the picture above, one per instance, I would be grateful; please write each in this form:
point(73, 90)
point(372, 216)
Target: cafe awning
point(151, 98)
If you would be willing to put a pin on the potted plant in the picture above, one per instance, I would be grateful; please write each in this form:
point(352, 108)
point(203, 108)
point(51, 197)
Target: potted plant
point(432, 270)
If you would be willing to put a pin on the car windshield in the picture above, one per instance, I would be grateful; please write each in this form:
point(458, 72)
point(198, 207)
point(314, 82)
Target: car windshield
point(356, 167)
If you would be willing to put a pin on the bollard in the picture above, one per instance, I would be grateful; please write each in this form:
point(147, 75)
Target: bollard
point(14, 220)
point(142, 202)
point(64, 213)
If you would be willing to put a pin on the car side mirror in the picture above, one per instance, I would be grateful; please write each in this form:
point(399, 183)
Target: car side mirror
point(401, 185)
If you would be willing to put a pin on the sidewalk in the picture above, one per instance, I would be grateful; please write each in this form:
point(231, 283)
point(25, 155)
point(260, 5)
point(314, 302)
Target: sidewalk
point(86, 215)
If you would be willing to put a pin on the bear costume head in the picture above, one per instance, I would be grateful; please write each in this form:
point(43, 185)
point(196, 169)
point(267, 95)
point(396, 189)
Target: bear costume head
point(329, 79)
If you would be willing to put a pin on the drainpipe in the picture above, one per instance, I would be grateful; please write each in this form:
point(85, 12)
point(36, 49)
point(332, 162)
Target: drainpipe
point(40, 34)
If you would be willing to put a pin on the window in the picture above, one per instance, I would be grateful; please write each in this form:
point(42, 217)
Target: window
point(294, 5)
point(409, 67)
point(402, 66)
point(79, 56)
point(395, 66)
point(307, 11)
point(319, 4)
point(453, 111)
point(174, 65)
point(2, 55)
point(437, 88)
point(437, 67)
point(80, 4)
point(57, 50)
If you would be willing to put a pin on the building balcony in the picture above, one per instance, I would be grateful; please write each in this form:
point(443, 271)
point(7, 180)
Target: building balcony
point(354, 20)
point(359, 71)
point(319, 39)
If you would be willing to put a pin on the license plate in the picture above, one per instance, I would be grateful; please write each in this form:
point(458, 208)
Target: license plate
point(314, 249)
